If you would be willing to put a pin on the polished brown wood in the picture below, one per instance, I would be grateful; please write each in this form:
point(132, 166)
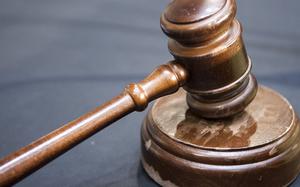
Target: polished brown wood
point(256, 148)
point(206, 37)
point(164, 80)
point(212, 65)
point(217, 132)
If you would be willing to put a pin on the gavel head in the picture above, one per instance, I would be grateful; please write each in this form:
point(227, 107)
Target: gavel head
point(205, 37)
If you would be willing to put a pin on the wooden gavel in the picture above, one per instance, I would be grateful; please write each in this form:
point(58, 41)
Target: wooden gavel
point(210, 63)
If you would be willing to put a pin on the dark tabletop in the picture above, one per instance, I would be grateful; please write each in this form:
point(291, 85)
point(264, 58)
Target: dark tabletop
point(60, 58)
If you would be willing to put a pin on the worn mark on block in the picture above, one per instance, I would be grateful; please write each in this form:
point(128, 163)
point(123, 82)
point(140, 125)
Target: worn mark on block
point(155, 176)
point(233, 132)
point(266, 119)
point(273, 151)
point(148, 144)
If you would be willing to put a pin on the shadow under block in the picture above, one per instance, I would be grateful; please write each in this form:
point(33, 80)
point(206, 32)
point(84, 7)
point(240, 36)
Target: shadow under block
point(258, 147)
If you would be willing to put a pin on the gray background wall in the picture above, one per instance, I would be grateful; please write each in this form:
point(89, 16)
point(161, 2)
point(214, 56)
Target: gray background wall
point(60, 58)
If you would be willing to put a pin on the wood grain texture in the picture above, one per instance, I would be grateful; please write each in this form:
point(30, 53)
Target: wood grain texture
point(244, 156)
point(62, 48)
point(164, 80)
point(214, 54)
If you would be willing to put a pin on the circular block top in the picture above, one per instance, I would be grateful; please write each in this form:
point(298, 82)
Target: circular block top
point(266, 119)
point(188, 11)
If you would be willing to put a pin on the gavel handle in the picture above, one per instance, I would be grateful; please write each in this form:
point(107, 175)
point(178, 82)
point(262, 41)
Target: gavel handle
point(165, 79)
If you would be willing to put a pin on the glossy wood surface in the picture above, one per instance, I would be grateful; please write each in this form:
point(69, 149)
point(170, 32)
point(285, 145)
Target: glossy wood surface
point(54, 67)
point(189, 11)
point(164, 80)
point(206, 37)
point(256, 148)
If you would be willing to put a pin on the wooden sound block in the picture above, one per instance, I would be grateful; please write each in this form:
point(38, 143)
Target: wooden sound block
point(258, 147)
